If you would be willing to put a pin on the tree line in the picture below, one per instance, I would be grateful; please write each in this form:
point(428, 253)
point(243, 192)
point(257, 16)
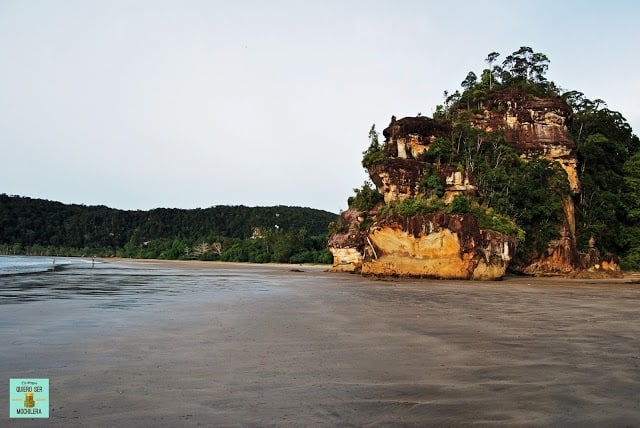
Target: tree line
point(231, 233)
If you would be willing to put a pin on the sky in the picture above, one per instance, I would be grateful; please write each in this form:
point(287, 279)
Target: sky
point(140, 104)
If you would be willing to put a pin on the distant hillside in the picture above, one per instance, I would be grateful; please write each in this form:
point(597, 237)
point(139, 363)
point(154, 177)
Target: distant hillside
point(47, 226)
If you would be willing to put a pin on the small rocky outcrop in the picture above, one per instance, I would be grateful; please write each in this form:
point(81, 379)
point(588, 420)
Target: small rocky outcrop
point(595, 265)
point(347, 242)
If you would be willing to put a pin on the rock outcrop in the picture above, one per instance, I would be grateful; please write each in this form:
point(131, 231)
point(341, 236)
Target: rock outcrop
point(397, 178)
point(408, 141)
point(441, 245)
point(347, 244)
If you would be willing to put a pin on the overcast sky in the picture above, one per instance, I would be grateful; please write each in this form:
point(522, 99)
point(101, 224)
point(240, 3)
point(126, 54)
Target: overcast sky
point(186, 104)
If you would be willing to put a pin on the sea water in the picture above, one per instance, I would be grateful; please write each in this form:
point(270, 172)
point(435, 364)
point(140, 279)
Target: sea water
point(117, 284)
point(18, 265)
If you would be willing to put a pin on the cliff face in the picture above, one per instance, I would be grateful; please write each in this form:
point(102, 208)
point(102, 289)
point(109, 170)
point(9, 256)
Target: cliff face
point(454, 246)
point(408, 141)
point(538, 127)
point(398, 178)
point(535, 127)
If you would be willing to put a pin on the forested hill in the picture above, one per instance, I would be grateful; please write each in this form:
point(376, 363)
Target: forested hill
point(30, 225)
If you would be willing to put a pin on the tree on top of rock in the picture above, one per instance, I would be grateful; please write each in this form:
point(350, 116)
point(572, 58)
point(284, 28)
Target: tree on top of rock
point(525, 65)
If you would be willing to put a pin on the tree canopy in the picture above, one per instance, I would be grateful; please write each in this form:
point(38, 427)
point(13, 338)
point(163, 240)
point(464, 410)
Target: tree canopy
point(233, 233)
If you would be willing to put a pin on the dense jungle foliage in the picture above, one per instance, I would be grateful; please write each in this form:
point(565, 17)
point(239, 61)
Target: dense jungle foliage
point(231, 233)
point(530, 193)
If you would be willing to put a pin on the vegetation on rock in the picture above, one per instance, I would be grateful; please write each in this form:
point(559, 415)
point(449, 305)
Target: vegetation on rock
point(366, 198)
point(374, 155)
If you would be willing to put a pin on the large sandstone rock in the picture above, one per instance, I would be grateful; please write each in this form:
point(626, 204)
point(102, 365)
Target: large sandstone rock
point(449, 246)
point(347, 259)
point(436, 246)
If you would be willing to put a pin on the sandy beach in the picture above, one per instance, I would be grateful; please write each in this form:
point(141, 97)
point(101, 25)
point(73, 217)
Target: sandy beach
point(217, 344)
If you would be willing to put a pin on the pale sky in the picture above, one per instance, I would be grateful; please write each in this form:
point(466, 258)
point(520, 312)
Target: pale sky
point(187, 104)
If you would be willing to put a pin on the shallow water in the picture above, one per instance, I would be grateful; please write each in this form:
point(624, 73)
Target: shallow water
point(20, 265)
point(81, 301)
point(111, 285)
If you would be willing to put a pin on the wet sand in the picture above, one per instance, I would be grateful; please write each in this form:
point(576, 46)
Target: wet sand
point(285, 348)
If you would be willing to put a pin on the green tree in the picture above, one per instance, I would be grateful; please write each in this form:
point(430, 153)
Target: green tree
point(605, 143)
point(491, 58)
point(526, 65)
point(460, 205)
point(52, 227)
point(374, 154)
point(365, 197)
point(468, 83)
point(431, 185)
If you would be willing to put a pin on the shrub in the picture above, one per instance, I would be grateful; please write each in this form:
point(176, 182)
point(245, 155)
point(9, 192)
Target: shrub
point(339, 226)
point(365, 198)
point(413, 206)
point(460, 205)
point(431, 185)
point(488, 219)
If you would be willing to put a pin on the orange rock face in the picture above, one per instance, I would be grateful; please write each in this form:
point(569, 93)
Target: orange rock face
point(536, 127)
point(435, 255)
point(436, 246)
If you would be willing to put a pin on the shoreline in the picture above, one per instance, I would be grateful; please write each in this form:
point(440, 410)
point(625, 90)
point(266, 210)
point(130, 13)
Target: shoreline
point(627, 277)
point(201, 264)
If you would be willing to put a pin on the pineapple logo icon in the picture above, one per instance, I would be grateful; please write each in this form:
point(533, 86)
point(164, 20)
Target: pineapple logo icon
point(28, 400)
